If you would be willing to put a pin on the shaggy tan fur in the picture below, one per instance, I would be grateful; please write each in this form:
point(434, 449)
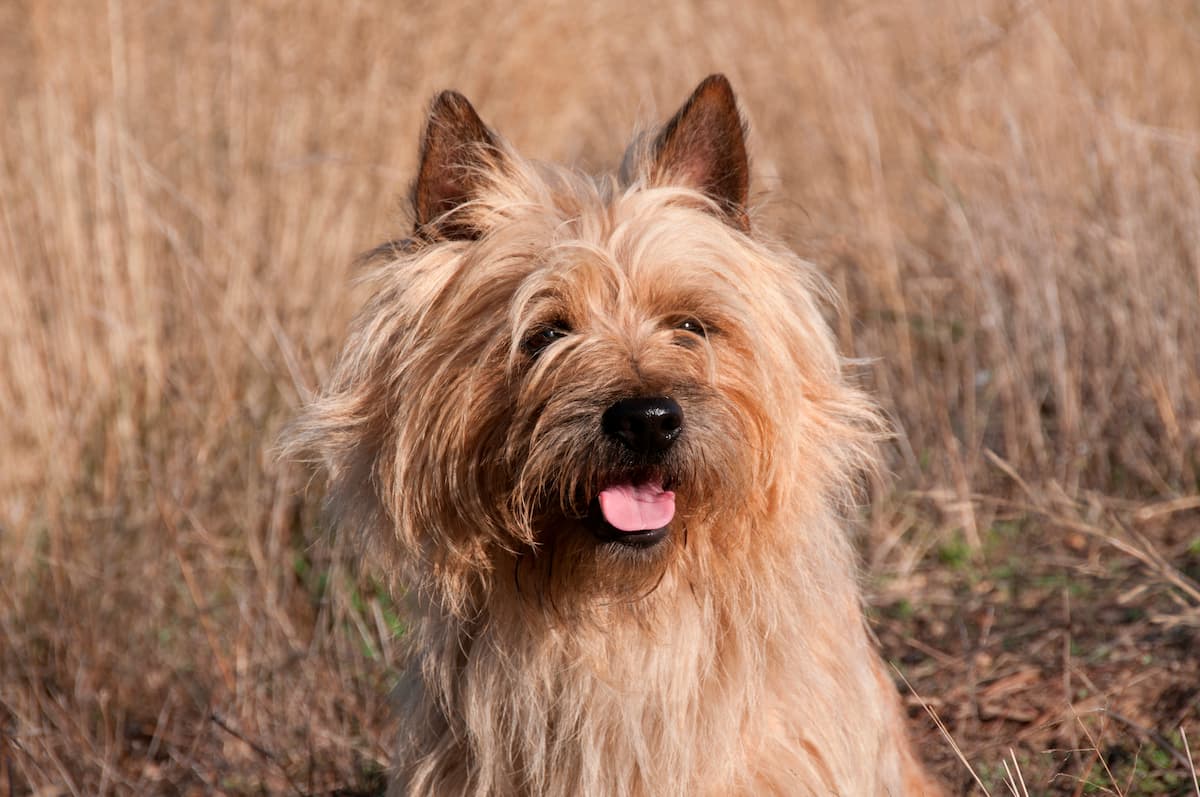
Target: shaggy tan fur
point(462, 435)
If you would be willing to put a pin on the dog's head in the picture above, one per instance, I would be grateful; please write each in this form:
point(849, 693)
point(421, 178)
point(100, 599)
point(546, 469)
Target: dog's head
point(571, 386)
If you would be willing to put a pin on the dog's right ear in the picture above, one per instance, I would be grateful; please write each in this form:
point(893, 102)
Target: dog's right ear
point(458, 151)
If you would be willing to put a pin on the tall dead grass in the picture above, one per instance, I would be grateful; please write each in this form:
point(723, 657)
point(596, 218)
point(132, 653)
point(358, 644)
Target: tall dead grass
point(1008, 194)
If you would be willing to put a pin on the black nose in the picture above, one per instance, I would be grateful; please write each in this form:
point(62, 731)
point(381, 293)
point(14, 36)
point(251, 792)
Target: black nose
point(647, 425)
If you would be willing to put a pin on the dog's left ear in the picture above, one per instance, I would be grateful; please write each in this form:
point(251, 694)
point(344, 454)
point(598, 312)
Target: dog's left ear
point(703, 147)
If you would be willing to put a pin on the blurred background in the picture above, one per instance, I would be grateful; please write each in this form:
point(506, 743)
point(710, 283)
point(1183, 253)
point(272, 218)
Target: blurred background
point(1005, 193)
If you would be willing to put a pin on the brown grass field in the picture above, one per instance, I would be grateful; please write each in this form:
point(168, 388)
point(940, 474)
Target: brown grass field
point(1007, 194)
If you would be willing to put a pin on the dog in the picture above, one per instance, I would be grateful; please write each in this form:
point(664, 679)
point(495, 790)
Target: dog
point(601, 435)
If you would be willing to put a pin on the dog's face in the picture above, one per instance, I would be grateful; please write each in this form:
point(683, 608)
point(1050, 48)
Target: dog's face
point(637, 416)
point(575, 385)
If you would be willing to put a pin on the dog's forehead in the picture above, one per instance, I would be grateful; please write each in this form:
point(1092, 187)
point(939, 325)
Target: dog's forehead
point(581, 284)
point(595, 248)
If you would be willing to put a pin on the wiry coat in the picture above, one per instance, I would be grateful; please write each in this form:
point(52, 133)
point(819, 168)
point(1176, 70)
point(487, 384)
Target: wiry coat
point(730, 658)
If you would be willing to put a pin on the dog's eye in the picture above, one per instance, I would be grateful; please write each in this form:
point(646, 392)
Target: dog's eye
point(545, 334)
point(694, 326)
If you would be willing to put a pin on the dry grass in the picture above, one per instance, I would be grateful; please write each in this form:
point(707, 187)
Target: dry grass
point(1008, 194)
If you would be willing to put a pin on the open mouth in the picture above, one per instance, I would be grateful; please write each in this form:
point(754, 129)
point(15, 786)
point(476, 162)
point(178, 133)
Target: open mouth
point(633, 513)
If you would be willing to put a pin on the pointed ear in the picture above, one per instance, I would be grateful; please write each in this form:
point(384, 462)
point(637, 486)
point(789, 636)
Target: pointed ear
point(457, 152)
point(703, 147)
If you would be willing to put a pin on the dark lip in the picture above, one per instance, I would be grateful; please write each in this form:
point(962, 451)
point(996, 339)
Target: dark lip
point(633, 539)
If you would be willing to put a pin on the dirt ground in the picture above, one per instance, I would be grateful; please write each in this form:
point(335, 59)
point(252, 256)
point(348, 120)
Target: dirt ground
point(1054, 654)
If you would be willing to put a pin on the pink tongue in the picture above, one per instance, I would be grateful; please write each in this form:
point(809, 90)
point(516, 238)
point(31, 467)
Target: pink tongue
point(637, 507)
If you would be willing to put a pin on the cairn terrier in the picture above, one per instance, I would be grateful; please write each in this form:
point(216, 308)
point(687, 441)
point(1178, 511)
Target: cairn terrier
point(600, 431)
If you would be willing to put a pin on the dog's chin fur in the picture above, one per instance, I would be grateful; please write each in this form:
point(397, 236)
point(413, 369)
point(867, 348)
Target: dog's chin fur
point(729, 656)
